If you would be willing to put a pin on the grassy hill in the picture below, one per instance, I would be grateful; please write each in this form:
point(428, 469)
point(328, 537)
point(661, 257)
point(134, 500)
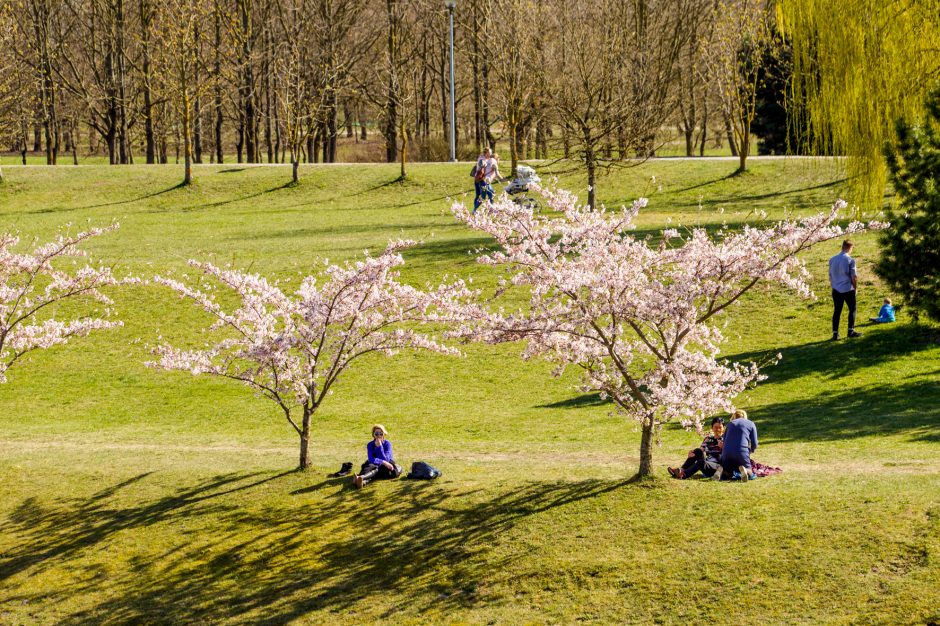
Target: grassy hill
point(134, 496)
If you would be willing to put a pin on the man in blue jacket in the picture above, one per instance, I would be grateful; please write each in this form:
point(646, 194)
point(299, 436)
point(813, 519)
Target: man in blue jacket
point(740, 440)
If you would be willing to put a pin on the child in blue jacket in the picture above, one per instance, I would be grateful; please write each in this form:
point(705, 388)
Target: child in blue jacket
point(886, 314)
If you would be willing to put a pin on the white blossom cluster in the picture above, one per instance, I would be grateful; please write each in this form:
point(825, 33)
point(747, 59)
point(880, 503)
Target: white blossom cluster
point(637, 315)
point(31, 282)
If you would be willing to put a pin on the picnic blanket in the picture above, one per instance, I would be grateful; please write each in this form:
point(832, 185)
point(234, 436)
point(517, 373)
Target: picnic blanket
point(761, 471)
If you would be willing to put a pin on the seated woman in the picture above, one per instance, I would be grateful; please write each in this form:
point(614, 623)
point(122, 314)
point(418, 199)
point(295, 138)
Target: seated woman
point(886, 314)
point(381, 463)
point(705, 458)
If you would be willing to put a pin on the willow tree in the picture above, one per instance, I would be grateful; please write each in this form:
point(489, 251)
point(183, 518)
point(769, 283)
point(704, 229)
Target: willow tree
point(858, 65)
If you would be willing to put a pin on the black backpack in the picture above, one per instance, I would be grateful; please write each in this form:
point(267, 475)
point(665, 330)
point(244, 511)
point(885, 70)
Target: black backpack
point(423, 471)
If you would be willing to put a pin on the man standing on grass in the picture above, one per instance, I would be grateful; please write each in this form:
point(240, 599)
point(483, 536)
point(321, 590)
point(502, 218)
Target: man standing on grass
point(844, 281)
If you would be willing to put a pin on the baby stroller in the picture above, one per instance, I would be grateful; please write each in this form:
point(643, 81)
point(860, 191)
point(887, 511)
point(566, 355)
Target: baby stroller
point(518, 188)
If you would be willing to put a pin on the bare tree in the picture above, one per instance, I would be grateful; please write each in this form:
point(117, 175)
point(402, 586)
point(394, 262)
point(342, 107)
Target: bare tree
point(622, 96)
point(733, 58)
point(184, 80)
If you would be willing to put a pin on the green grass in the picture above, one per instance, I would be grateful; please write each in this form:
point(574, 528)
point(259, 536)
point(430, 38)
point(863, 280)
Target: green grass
point(133, 496)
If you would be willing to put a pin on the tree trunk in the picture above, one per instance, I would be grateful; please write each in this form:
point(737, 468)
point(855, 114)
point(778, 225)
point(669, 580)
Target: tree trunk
point(743, 152)
point(305, 440)
point(591, 163)
point(187, 143)
point(197, 130)
point(646, 448)
point(217, 74)
point(347, 120)
point(246, 89)
point(730, 133)
point(513, 146)
point(124, 148)
point(404, 148)
point(295, 170)
point(701, 149)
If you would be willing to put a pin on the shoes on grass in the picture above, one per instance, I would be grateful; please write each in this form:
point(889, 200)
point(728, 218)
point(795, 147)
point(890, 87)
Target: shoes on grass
point(835, 336)
point(853, 334)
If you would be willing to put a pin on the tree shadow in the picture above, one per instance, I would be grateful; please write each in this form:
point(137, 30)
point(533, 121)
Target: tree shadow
point(60, 533)
point(835, 359)
point(911, 408)
point(145, 196)
point(579, 402)
point(211, 205)
point(431, 541)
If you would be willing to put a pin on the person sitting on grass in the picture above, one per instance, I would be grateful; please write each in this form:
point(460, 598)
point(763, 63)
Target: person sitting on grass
point(886, 314)
point(705, 458)
point(740, 441)
point(381, 463)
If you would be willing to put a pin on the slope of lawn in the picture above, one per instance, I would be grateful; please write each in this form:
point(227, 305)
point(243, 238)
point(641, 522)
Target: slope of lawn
point(131, 496)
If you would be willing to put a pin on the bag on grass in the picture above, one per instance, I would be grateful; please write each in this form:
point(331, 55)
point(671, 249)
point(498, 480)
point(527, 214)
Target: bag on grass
point(423, 471)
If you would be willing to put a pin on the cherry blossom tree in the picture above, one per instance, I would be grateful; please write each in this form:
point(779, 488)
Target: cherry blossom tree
point(32, 282)
point(292, 349)
point(638, 316)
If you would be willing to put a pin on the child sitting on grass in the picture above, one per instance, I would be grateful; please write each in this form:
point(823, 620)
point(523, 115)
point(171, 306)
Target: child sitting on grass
point(886, 314)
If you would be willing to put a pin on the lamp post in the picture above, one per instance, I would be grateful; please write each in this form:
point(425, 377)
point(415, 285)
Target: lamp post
point(451, 4)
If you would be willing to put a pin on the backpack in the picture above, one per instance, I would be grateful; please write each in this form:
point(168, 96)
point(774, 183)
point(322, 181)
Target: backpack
point(423, 471)
point(479, 171)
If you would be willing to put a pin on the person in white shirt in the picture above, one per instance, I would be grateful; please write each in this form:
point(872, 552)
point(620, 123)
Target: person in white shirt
point(487, 170)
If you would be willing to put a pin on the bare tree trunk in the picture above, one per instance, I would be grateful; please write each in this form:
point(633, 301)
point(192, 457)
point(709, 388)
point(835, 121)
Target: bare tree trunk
point(246, 89)
point(730, 133)
point(305, 440)
point(745, 148)
point(146, 17)
point(404, 147)
point(347, 120)
point(701, 149)
point(124, 148)
point(646, 448)
point(217, 74)
point(590, 160)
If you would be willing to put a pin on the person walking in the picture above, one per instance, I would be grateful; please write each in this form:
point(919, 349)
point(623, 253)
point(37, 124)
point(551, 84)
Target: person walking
point(844, 281)
point(740, 440)
point(479, 176)
point(486, 172)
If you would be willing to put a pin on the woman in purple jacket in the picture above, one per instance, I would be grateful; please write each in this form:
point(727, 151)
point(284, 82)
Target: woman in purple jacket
point(381, 463)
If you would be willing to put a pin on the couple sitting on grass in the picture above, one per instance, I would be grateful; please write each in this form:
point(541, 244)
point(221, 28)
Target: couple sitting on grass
point(725, 454)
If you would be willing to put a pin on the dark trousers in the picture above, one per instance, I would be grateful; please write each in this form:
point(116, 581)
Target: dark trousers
point(697, 463)
point(370, 472)
point(839, 299)
point(731, 462)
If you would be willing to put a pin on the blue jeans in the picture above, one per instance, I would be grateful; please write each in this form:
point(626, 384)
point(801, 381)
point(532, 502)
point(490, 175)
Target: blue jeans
point(484, 191)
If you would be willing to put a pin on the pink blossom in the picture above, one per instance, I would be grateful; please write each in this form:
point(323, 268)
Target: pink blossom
point(23, 327)
point(636, 317)
point(292, 348)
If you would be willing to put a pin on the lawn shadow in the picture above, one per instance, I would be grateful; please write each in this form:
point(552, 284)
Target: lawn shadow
point(60, 532)
point(579, 402)
point(910, 408)
point(835, 359)
point(274, 564)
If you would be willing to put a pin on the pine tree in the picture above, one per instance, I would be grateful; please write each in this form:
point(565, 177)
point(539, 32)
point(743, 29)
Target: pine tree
point(910, 260)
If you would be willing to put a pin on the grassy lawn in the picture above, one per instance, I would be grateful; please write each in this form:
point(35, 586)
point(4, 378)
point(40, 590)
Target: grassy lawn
point(132, 496)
